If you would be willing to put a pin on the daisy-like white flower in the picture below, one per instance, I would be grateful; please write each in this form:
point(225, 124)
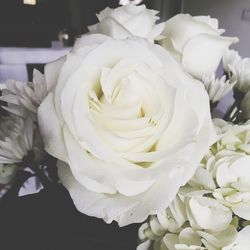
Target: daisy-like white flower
point(16, 138)
point(217, 88)
point(238, 68)
point(25, 95)
point(231, 58)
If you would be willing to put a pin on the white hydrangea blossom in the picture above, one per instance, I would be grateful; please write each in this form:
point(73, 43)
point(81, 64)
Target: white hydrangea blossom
point(207, 211)
point(238, 68)
point(217, 88)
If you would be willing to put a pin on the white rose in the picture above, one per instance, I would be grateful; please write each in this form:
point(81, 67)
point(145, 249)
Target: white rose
point(128, 21)
point(130, 124)
point(196, 42)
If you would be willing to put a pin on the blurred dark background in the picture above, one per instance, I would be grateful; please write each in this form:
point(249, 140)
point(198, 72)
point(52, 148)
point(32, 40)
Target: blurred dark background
point(23, 25)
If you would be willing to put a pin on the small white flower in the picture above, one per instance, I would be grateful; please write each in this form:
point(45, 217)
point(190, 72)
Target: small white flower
point(207, 213)
point(16, 138)
point(238, 68)
point(27, 95)
point(232, 137)
point(196, 42)
point(242, 242)
point(217, 88)
point(128, 21)
point(233, 179)
point(231, 58)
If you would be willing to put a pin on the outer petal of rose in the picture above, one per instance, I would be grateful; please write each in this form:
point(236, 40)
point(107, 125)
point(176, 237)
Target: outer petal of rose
point(202, 54)
point(51, 129)
point(52, 71)
point(182, 27)
point(88, 40)
point(213, 22)
point(111, 27)
point(123, 209)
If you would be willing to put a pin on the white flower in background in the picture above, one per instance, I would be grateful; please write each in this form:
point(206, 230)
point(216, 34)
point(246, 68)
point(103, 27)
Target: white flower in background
point(128, 21)
point(233, 179)
point(196, 42)
point(124, 2)
point(238, 68)
point(156, 234)
point(231, 59)
point(22, 96)
point(242, 242)
point(116, 118)
point(232, 137)
point(245, 105)
point(207, 213)
point(16, 138)
point(218, 88)
point(7, 172)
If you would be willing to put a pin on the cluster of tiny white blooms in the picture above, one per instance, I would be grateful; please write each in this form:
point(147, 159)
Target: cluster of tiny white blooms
point(207, 211)
point(191, 222)
point(23, 96)
point(235, 138)
point(217, 88)
point(239, 68)
point(129, 20)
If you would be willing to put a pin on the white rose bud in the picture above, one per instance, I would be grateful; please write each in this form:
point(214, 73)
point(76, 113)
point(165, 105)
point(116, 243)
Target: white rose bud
point(128, 21)
point(196, 42)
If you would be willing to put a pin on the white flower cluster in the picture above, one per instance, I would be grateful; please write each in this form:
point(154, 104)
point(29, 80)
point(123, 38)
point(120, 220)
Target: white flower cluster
point(19, 135)
point(23, 97)
point(208, 211)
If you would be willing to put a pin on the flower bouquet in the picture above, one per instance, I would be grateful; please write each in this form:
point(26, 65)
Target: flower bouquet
point(120, 129)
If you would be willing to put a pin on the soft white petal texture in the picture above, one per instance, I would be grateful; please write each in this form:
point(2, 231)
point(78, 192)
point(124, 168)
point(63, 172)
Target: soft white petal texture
point(51, 130)
point(117, 112)
point(124, 210)
point(202, 211)
point(182, 27)
point(197, 56)
point(128, 21)
point(242, 241)
point(196, 42)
